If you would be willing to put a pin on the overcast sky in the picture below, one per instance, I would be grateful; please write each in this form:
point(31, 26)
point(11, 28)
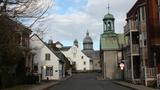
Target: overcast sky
point(68, 20)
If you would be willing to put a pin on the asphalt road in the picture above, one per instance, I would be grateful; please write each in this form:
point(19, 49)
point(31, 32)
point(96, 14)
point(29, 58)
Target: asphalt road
point(87, 82)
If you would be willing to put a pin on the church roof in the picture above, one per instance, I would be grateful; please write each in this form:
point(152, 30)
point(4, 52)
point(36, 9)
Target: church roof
point(111, 41)
point(91, 54)
point(65, 48)
point(87, 39)
point(108, 16)
point(75, 41)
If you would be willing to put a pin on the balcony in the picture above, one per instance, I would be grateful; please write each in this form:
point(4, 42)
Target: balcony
point(143, 26)
point(126, 29)
point(144, 53)
point(151, 72)
point(135, 49)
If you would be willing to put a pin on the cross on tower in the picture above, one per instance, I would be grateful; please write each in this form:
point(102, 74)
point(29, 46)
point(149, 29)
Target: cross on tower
point(108, 7)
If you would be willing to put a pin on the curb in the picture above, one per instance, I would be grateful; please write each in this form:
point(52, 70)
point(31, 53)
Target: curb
point(66, 78)
point(124, 85)
point(46, 88)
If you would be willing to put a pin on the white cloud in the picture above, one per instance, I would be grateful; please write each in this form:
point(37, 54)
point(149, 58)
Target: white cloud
point(75, 24)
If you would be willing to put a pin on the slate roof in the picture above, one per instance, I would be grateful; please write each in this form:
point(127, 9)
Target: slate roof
point(65, 48)
point(59, 43)
point(11, 24)
point(91, 54)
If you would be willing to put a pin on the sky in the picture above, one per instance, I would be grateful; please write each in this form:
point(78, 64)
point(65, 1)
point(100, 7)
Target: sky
point(68, 20)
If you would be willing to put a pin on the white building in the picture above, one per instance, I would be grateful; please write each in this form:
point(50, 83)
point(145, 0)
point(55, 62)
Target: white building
point(46, 63)
point(80, 61)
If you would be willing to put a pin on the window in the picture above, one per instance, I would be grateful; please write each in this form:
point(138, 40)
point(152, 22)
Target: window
point(82, 57)
point(18, 38)
point(47, 56)
point(49, 71)
point(142, 13)
point(143, 39)
point(84, 63)
point(35, 68)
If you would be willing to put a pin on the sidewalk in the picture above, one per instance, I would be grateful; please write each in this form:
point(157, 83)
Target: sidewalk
point(48, 85)
point(133, 86)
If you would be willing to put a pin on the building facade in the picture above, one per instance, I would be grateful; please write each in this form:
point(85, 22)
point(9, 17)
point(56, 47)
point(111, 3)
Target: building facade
point(67, 67)
point(142, 42)
point(46, 63)
point(18, 37)
point(80, 62)
point(110, 49)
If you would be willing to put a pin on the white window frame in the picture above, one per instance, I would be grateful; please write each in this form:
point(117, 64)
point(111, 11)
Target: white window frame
point(47, 56)
point(49, 71)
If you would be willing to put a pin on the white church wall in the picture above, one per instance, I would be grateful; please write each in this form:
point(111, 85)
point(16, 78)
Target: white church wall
point(76, 55)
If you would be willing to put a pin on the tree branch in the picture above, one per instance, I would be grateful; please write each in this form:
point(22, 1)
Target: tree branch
point(39, 17)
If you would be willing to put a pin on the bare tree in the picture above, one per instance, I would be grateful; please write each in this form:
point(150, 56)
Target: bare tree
point(25, 8)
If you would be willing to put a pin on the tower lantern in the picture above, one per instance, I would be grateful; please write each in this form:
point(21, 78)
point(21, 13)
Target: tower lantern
point(108, 22)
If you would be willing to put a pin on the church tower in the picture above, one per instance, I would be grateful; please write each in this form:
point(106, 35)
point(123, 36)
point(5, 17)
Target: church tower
point(110, 50)
point(108, 23)
point(87, 42)
point(75, 42)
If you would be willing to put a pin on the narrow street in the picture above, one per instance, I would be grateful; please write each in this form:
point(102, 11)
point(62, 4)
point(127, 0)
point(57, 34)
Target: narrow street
point(87, 82)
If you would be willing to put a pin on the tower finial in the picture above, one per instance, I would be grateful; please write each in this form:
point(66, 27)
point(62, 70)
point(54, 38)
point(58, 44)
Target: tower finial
point(108, 7)
point(87, 33)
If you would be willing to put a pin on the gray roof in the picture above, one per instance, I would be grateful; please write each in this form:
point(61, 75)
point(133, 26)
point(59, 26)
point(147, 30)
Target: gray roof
point(65, 48)
point(91, 54)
